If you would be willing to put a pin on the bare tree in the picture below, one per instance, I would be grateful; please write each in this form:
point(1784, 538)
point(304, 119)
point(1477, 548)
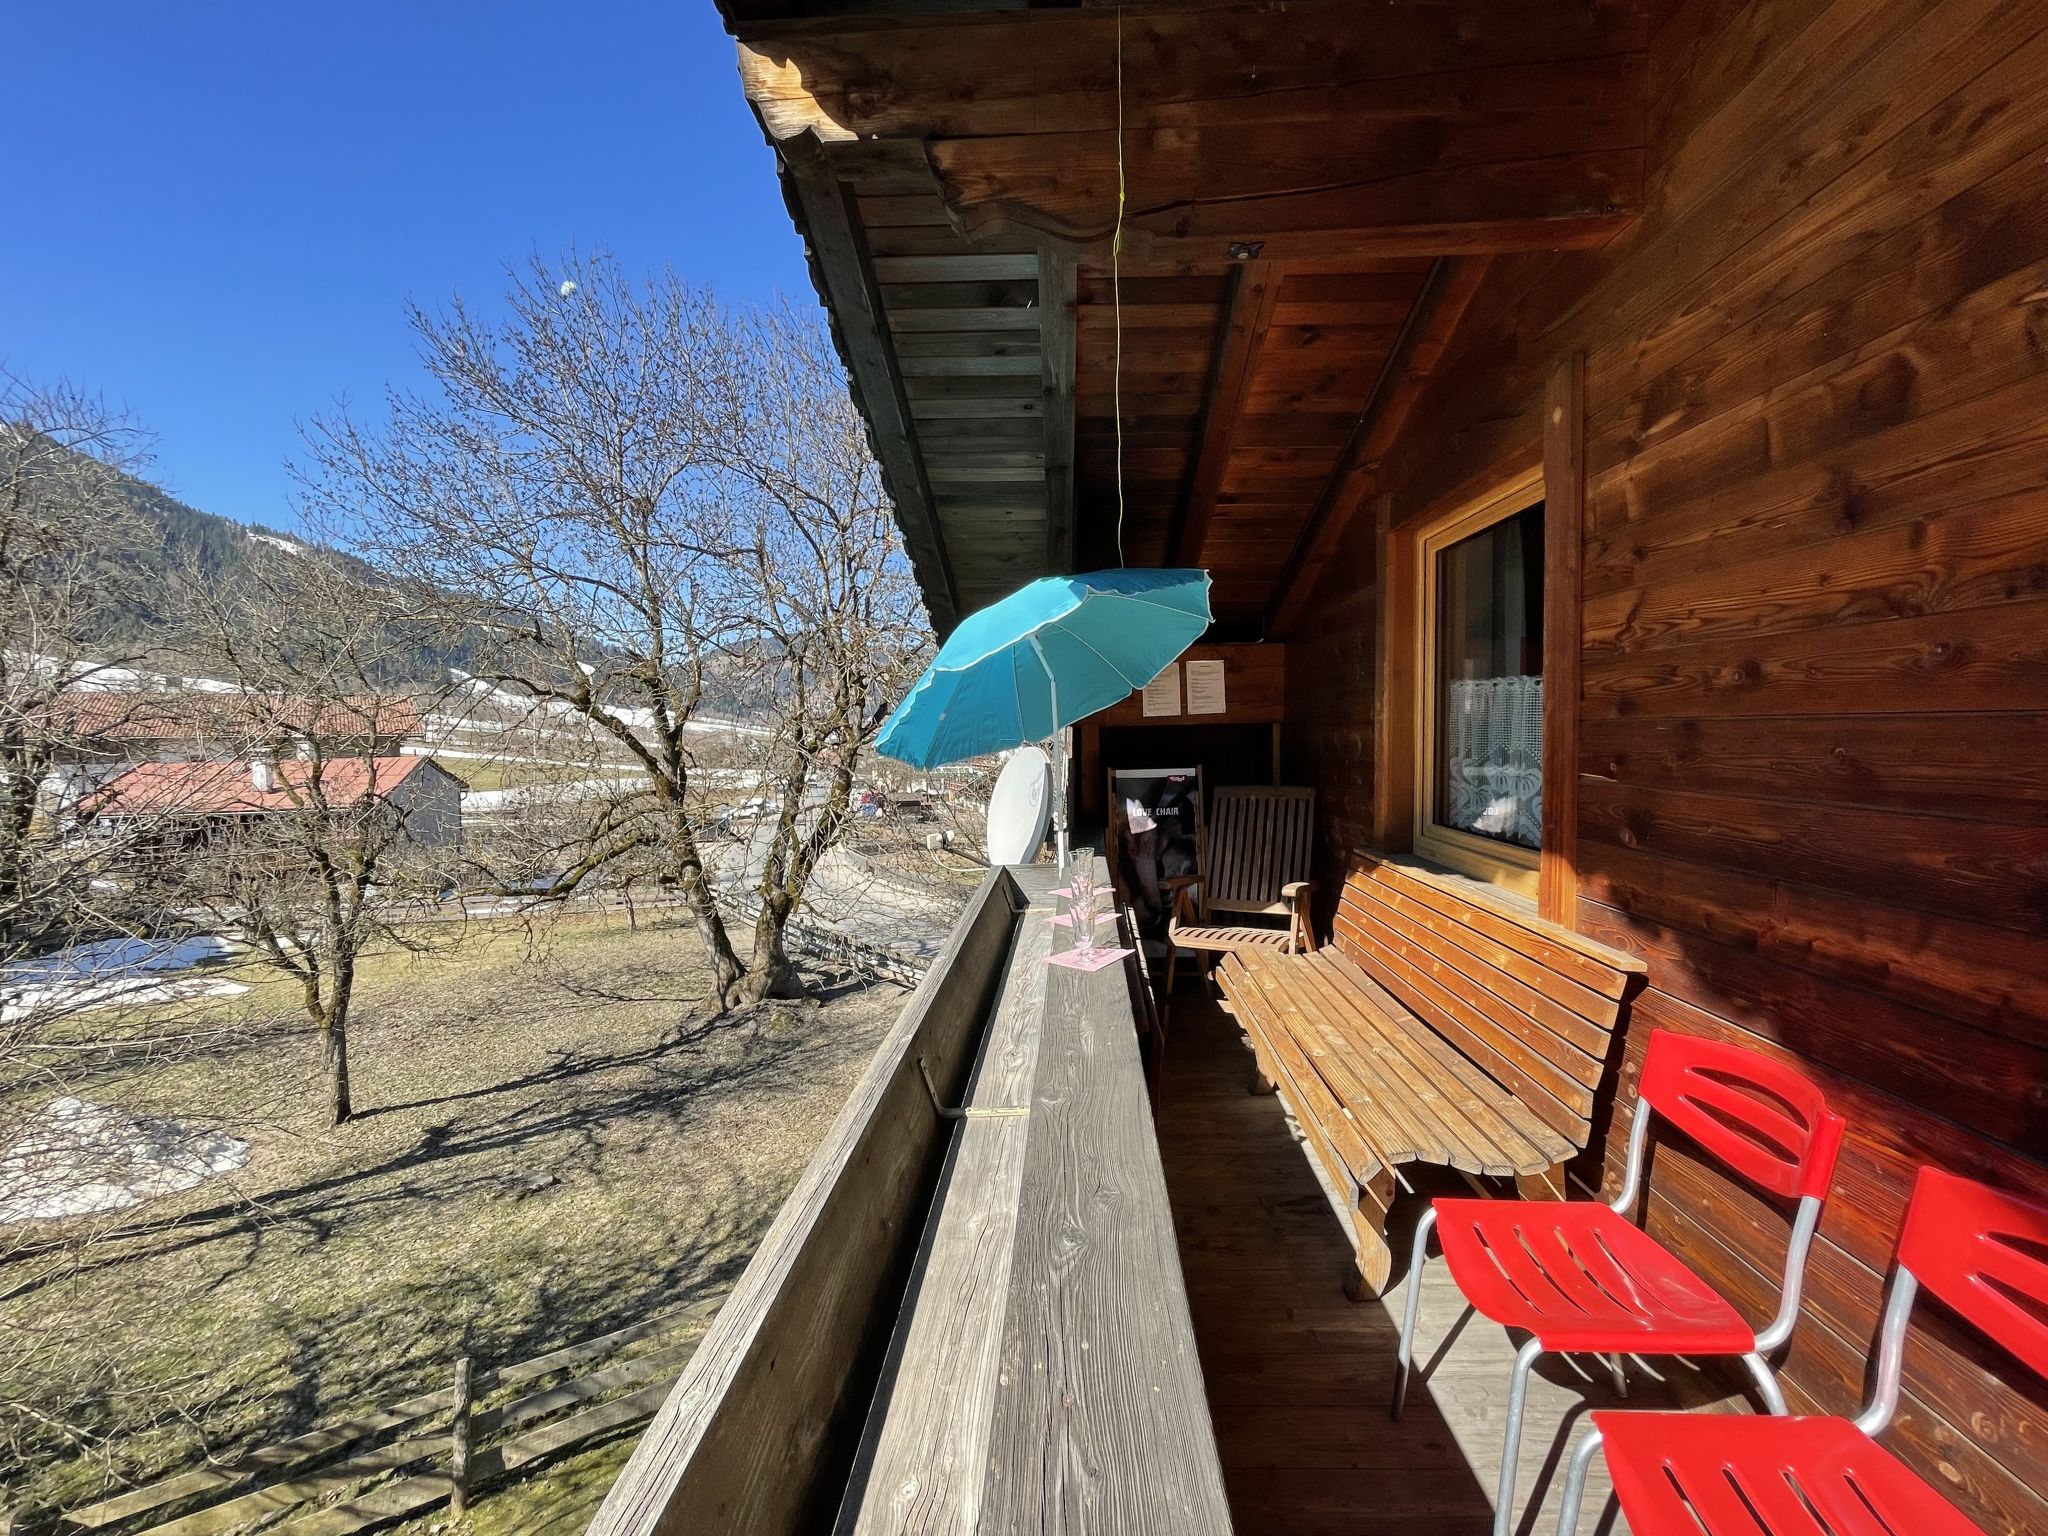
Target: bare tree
point(62, 516)
point(657, 519)
point(829, 625)
point(71, 926)
point(64, 522)
point(306, 832)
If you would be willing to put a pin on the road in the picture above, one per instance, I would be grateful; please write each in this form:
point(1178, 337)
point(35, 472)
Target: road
point(848, 895)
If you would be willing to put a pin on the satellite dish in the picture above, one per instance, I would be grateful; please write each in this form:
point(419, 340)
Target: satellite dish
point(1020, 808)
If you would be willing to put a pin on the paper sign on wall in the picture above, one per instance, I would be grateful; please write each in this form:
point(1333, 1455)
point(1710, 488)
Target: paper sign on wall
point(1205, 688)
point(1162, 694)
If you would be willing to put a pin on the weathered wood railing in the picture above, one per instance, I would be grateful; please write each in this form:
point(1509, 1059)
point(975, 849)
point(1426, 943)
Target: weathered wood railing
point(970, 1313)
point(760, 1433)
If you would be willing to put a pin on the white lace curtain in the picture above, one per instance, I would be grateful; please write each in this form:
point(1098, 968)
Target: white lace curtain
point(1496, 758)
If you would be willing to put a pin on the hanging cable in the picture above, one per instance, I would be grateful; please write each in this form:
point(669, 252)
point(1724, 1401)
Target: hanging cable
point(1116, 288)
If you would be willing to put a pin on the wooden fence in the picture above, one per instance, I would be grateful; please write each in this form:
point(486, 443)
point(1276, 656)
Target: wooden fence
point(401, 1459)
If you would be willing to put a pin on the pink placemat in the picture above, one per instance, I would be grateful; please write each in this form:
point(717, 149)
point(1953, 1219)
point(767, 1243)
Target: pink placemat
point(1066, 919)
point(1100, 960)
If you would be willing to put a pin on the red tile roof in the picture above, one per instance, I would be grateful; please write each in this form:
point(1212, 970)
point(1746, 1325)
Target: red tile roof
point(225, 788)
point(116, 715)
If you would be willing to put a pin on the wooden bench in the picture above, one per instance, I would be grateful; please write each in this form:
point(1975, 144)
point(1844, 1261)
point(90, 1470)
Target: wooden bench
point(1440, 1025)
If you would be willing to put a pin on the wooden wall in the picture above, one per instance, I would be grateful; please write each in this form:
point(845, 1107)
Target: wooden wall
point(1331, 709)
point(1813, 784)
point(1254, 694)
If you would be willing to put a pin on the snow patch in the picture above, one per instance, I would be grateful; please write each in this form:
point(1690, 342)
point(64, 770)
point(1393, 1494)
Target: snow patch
point(76, 1158)
point(131, 971)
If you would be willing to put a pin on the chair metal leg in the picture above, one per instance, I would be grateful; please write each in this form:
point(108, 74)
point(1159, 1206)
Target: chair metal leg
point(1767, 1384)
point(1518, 1401)
point(1614, 1369)
point(1575, 1483)
point(1404, 1361)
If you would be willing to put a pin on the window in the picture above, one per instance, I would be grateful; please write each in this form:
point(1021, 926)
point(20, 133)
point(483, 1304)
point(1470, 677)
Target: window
point(1479, 738)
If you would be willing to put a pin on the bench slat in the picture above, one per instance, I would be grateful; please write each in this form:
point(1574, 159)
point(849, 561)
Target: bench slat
point(1346, 1046)
point(1389, 1140)
point(1418, 1100)
point(1575, 1013)
point(1538, 1084)
point(1444, 1119)
point(1226, 940)
point(1346, 1152)
point(1607, 971)
point(1495, 1018)
point(1535, 1144)
point(1524, 1144)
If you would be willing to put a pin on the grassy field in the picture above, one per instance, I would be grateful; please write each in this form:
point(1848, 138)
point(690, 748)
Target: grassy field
point(553, 1141)
point(558, 1502)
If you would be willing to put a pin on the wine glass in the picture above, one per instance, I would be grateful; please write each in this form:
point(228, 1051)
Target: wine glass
point(1081, 906)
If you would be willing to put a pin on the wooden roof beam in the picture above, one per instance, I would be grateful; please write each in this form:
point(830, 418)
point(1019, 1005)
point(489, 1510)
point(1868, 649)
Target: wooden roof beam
point(1051, 70)
point(845, 279)
point(1553, 202)
point(1446, 294)
point(1058, 306)
point(1248, 312)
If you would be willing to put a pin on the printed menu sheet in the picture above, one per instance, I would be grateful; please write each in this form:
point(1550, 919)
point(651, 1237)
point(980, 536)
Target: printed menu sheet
point(1162, 694)
point(1205, 688)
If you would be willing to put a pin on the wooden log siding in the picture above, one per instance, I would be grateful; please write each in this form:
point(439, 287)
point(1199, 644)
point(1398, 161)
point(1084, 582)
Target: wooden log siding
point(1815, 634)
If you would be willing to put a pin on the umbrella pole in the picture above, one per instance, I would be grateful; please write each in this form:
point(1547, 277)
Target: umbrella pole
point(1059, 760)
point(1059, 779)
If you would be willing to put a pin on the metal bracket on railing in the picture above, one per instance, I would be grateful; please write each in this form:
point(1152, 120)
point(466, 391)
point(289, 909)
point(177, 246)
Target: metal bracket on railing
point(967, 1111)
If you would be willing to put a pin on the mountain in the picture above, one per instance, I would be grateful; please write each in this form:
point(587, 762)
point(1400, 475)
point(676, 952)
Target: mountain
point(174, 536)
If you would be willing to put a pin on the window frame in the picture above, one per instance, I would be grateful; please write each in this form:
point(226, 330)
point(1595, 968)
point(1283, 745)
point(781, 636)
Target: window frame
point(1507, 866)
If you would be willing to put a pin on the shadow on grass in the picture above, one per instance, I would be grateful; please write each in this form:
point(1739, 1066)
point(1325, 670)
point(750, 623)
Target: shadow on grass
point(449, 1161)
point(547, 1197)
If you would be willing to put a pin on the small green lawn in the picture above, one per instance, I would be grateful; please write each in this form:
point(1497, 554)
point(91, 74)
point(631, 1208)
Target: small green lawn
point(553, 1143)
point(555, 1500)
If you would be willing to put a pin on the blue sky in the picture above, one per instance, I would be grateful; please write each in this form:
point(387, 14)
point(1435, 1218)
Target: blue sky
point(216, 211)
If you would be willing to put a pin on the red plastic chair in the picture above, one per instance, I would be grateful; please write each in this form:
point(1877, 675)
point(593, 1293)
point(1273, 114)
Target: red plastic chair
point(1581, 1278)
point(1978, 1249)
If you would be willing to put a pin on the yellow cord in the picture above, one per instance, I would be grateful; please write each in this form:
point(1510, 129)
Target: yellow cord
point(1116, 287)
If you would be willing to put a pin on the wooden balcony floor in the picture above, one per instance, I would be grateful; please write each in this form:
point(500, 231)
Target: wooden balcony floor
point(1298, 1376)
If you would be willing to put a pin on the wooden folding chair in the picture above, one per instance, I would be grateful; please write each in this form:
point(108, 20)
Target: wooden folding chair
point(1255, 864)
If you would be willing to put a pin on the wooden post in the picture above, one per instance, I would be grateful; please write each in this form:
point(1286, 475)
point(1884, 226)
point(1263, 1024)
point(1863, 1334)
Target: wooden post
point(1369, 1226)
point(1058, 280)
point(458, 1440)
point(1393, 735)
point(1564, 518)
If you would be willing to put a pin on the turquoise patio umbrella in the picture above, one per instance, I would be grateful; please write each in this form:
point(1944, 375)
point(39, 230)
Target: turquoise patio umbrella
point(1049, 654)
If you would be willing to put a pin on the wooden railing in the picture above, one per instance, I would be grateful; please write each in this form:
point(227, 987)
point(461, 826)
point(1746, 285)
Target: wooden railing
point(761, 1432)
point(970, 1314)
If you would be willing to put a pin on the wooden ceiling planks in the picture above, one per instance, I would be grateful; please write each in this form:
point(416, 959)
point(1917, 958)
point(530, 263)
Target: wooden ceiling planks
point(1294, 177)
point(843, 273)
point(1247, 314)
point(981, 346)
point(1169, 326)
point(1325, 343)
point(1439, 305)
point(1054, 71)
